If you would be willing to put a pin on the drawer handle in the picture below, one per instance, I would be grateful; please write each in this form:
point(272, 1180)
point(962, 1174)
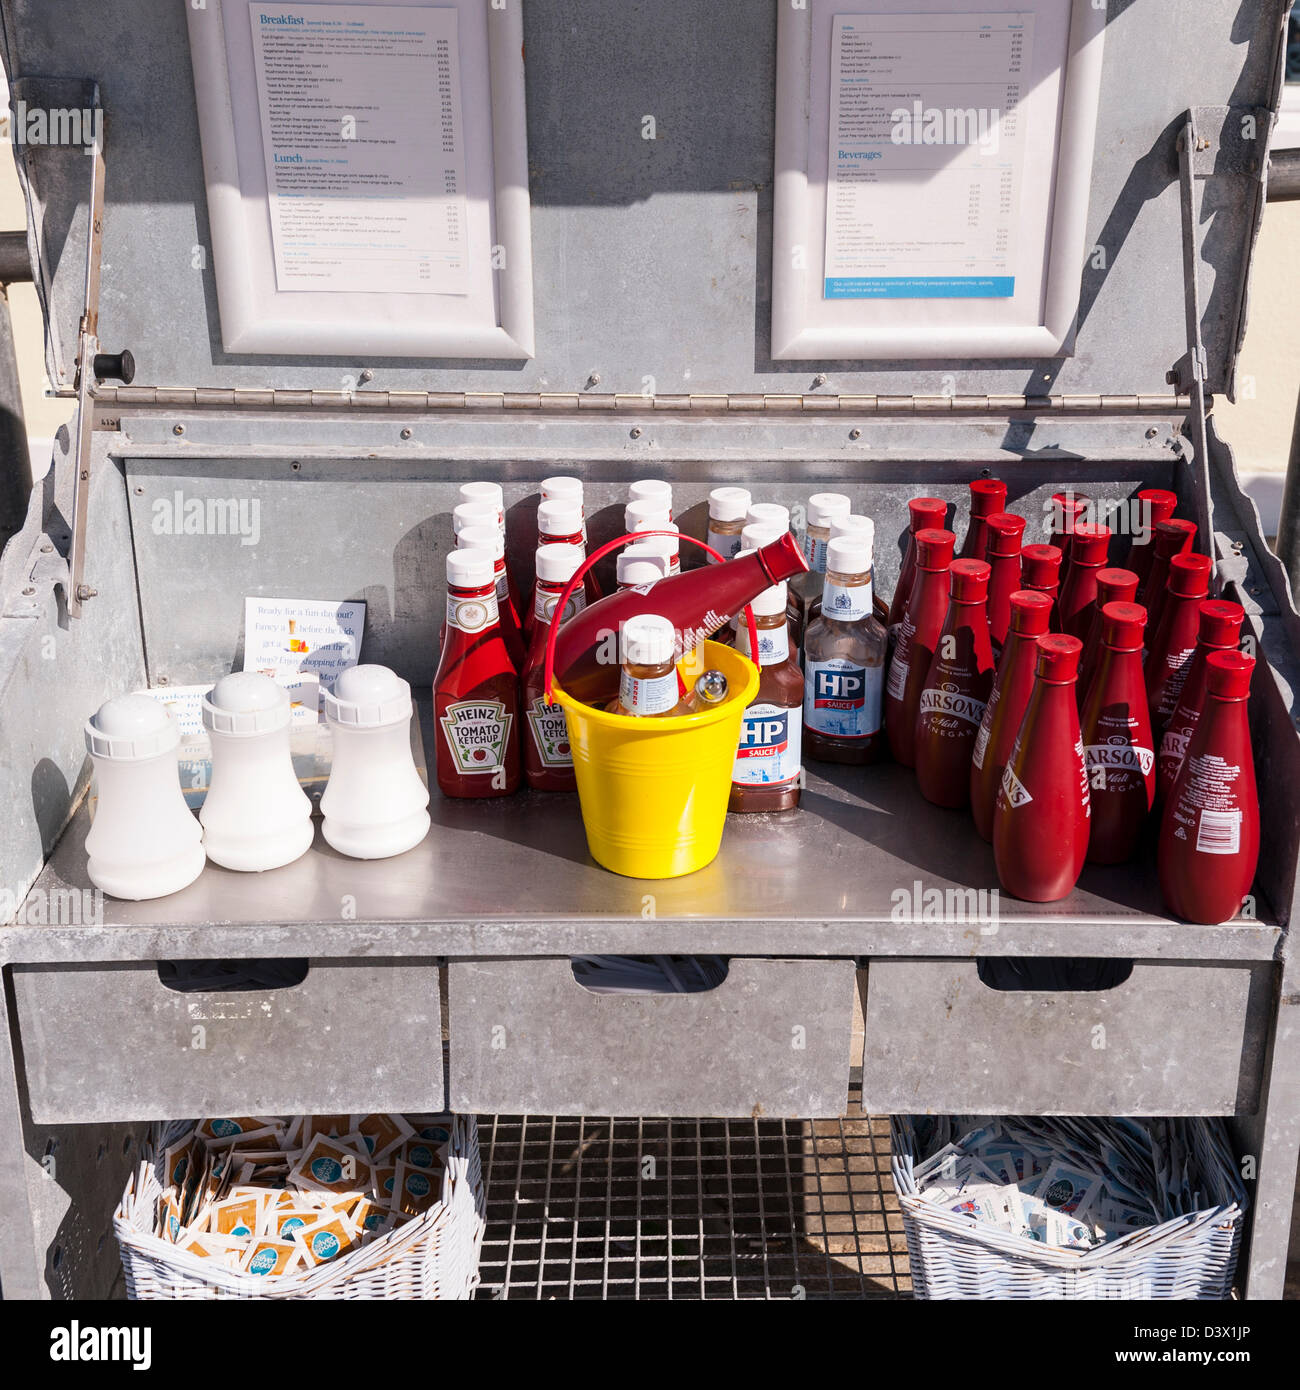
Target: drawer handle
point(1047, 974)
point(649, 974)
point(231, 976)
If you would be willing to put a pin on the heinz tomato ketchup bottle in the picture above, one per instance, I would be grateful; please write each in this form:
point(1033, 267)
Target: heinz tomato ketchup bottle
point(1118, 749)
point(987, 495)
point(1040, 822)
point(924, 513)
point(1003, 534)
point(1173, 644)
point(1030, 614)
point(1079, 591)
point(918, 635)
point(1113, 586)
point(1209, 835)
point(956, 690)
point(1219, 630)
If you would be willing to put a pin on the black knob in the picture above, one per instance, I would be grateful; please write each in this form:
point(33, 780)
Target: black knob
point(116, 366)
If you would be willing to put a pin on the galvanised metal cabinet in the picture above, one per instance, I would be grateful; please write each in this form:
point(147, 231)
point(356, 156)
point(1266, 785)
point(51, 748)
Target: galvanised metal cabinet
point(652, 261)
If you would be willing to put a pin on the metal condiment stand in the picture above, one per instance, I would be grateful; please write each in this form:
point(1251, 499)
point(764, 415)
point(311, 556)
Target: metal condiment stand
point(356, 466)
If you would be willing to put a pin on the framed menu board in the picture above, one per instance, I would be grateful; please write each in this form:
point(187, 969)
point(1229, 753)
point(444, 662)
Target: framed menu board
point(932, 176)
point(366, 168)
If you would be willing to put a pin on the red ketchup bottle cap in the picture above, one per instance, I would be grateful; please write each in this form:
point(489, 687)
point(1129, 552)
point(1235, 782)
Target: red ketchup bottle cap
point(1227, 674)
point(934, 547)
point(987, 495)
point(1122, 626)
point(1030, 612)
point(1189, 575)
point(1116, 586)
point(1058, 658)
point(1040, 565)
point(927, 511)
point(1174, 536)
point(970, 580)
point(1090, 544)
point(1003, 533)
point(1220, 623)
point(1157, 506)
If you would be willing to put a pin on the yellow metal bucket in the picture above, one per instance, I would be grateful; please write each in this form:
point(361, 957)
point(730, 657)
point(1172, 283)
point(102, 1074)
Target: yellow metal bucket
point(654, 791)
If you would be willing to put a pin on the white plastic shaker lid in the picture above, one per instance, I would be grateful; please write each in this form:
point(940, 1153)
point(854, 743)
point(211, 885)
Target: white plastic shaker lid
point(368, 697)
point(130, 727)
point(647, 640)
point(246, 702)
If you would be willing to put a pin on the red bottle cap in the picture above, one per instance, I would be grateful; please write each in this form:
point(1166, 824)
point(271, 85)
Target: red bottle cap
point(1003, 531)
point(1066, 507)
point(1116, 586)
point(934, 547)
point(1030, 612)
point(1174, 536)
point(1090, 544)
point(1189, 575)
point(1157, 505)
point(1040, 566)
point(1227, 674)
point(1122, 626)
point(987, 495)
point(1058, 658)
point(1220, 623)
point(970, 580)
point(927, 511)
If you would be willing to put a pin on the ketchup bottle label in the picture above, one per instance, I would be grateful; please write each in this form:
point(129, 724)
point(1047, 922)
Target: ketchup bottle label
point(771, 746)
point(477, 732)
point(550, 734)
point(842, 699)
point(472, 614)
point(544, 605)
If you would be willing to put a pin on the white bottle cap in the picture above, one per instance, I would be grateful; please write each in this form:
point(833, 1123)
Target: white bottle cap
point(768, 603)
point(853, 525)
point(559, 517)
point(470, 569)
point(562, 490)
point(644, 515)
point(849, 554)
point(647, 640)
point(729, 503)
point(482, 538)
point(556, 564)
point(129, 727)
point(652, 490)
point(667, 546)
point(641, 563)
point(368, 697)
point(246, 702)
point(484, 495)
point(769, 514)
point(760, 533)
point(465, 514)
point(822, 506)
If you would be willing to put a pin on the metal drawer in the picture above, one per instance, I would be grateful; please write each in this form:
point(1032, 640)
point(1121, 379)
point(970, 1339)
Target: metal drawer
point(772, 1039)
point(112, 1043)
point(1173, 1039)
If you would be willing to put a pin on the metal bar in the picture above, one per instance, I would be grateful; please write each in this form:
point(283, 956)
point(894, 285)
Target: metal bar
point(1190, 144)
point(15, 459)
point(1283, 176)
point(1288, 522)
point(21, 1269)
point(15, 261)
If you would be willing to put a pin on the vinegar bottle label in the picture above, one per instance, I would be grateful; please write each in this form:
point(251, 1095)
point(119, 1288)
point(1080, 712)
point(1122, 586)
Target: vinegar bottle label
point(472, 614)
point(550, 734)
point(948, 705)
point(771, 745)
point(842, 699)
point(477, 732)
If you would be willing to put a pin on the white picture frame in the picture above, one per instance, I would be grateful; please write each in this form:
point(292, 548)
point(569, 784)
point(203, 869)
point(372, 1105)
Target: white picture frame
point(493, 321)
point(805, 326)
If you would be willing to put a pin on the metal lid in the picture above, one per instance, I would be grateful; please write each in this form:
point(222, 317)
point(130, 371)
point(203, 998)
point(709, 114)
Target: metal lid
point(129, 728)
point(368, 697)
point(245, 703)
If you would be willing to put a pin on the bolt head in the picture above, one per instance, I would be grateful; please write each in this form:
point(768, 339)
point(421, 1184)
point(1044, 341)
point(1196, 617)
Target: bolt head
point(178, 429)
point(407, 433)
point(855, 434)
point(635, 432)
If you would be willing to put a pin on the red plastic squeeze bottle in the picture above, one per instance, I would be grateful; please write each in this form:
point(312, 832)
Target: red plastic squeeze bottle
point(1218, 629)
point(987, 495)
point(1069, 510)
point(1003, 533)
point(1173, 537)
point(490, 539)
point(491, 495)
point(1154, 506)
point(697, 602)
point(1040, 822)
point(1172, 646)
point(1117, 746)
point(918, 635)
point(956, 689)
point(925, 513)
point(1079, 592)
point(1209, 836)
point(476, 691)
point(1030, 614)
point(548, 759)
point(1040, 569)
point(1113, 586)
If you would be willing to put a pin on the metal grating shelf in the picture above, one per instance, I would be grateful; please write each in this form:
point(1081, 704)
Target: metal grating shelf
point(690, 1209)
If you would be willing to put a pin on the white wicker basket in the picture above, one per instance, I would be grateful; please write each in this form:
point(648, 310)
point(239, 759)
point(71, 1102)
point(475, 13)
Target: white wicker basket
point(1192, 1256)
point(434, 1256)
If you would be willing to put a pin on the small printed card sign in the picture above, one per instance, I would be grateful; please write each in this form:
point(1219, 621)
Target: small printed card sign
point(304, 644)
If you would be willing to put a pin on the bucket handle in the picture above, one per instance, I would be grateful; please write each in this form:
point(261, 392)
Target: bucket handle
point(582, 569)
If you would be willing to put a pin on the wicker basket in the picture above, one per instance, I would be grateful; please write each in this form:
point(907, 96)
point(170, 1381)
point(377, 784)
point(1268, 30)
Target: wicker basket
point(434, 1256)
point(1192, 1256)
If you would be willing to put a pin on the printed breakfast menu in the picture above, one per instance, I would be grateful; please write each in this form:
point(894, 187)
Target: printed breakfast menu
point(926, 155)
